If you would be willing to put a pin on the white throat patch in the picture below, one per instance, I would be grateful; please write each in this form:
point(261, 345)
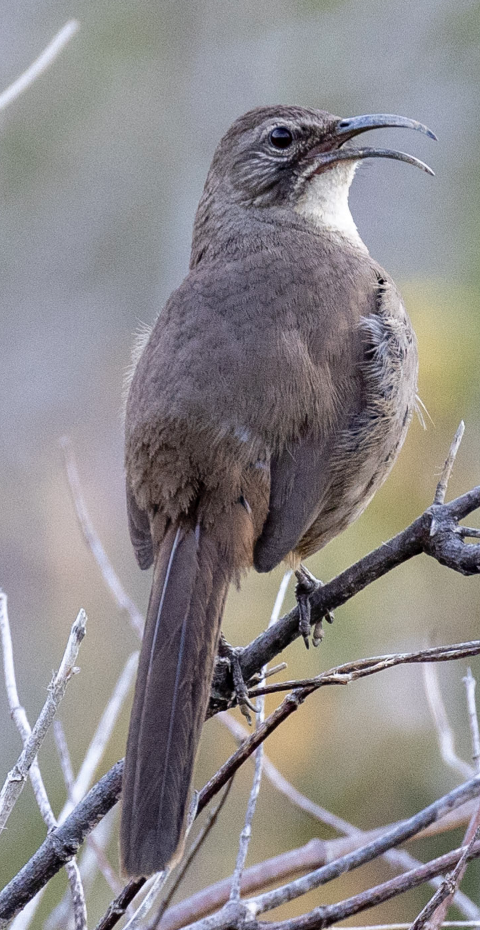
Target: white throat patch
point(325, 201)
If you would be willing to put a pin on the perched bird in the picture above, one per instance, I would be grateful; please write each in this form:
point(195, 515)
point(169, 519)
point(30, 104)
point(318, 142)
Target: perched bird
point(265, 409)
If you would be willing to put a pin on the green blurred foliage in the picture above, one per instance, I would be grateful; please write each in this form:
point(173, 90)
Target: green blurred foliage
point(102, 165)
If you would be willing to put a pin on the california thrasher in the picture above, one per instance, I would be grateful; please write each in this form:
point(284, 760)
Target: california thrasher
point(266, 408)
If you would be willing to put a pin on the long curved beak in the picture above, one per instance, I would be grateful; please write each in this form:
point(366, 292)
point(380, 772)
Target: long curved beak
point(354, 125)
point(350, 127)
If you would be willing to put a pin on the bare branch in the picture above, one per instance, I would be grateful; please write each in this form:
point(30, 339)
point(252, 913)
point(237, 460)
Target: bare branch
point(401, 832)
point(101, 736)
point(445, 734)
point(442, 485)
point(286, 865)
point(443, 896)
point(362, 668)
point(157, 883)
point(33, 739)
point(436, 909)
point(399, 859)
point(252, 801)
point(434, 533)
point(110, 577)
point(88, 864)
point(40, 64)
point(28, 881)
point(61, 844)
point(188, 859)
point(470, 685)
point(329, 914)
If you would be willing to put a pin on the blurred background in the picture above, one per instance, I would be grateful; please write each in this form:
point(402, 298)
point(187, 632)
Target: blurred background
point(102, 164)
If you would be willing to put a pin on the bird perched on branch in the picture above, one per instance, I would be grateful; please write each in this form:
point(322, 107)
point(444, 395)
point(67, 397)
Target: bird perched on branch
point(266, 408)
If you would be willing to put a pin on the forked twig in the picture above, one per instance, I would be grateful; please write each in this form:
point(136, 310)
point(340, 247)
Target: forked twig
point(32, 739)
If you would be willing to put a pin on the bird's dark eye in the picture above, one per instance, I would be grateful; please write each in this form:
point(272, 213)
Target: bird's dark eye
point(281, 137)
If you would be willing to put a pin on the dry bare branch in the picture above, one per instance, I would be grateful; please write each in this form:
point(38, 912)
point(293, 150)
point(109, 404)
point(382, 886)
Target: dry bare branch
point(327, 915)
point(442, 485)
point(33, 739)
point(399, 859)
point(188, 859)
point(40, 64)
point(252, 801)
point(110, 577)
point(470, 686)
point(434, 533)
point(443, 729)
point(95, 805)
point(101, 736)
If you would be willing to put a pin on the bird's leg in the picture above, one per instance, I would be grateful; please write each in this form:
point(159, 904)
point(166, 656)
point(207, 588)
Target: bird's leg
point(239, 686)
point(306, 585)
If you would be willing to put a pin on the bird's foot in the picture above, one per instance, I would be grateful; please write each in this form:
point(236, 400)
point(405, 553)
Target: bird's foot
point(232, 653)
point(306, 585)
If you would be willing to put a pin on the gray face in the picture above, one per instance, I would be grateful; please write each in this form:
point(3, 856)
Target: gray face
point(269, 155)
point(265, 157)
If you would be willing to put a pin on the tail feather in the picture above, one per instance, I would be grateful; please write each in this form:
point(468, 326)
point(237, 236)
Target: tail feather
point(189, 587)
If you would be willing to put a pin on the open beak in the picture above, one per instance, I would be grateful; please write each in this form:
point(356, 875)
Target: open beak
point(347, 129)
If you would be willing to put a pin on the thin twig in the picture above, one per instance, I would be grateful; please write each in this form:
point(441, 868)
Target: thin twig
point(189, 858)
point(294, 862)
point(105, 794)
point(64, 755)
point(399, 859)
point(84, 778)
point(66, 765)
point(436, 909)
point(33, 739)
point(324, 916)
point(110, 577)
point(470, 685)
point(442, 485)
point(88, 864)
point(158, 882)
point(120, 904)
point(40, 64)
point(362, 668)
point(394, 837)
point(443, 729)
point(444, 545)
point(439, 901)
point(102, 735)
point(257, 777)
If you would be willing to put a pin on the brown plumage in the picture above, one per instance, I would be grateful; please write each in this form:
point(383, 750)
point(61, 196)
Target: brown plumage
point(266, 408)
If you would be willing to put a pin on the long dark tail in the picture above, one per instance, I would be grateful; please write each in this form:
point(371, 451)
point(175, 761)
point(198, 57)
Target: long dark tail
point(189, 587)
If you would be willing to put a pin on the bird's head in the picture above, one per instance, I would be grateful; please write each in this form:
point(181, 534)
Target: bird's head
point(296, 158)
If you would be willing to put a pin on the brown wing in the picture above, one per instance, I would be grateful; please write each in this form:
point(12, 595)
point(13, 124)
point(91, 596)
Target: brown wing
point(299, 478)
point(139, 528)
